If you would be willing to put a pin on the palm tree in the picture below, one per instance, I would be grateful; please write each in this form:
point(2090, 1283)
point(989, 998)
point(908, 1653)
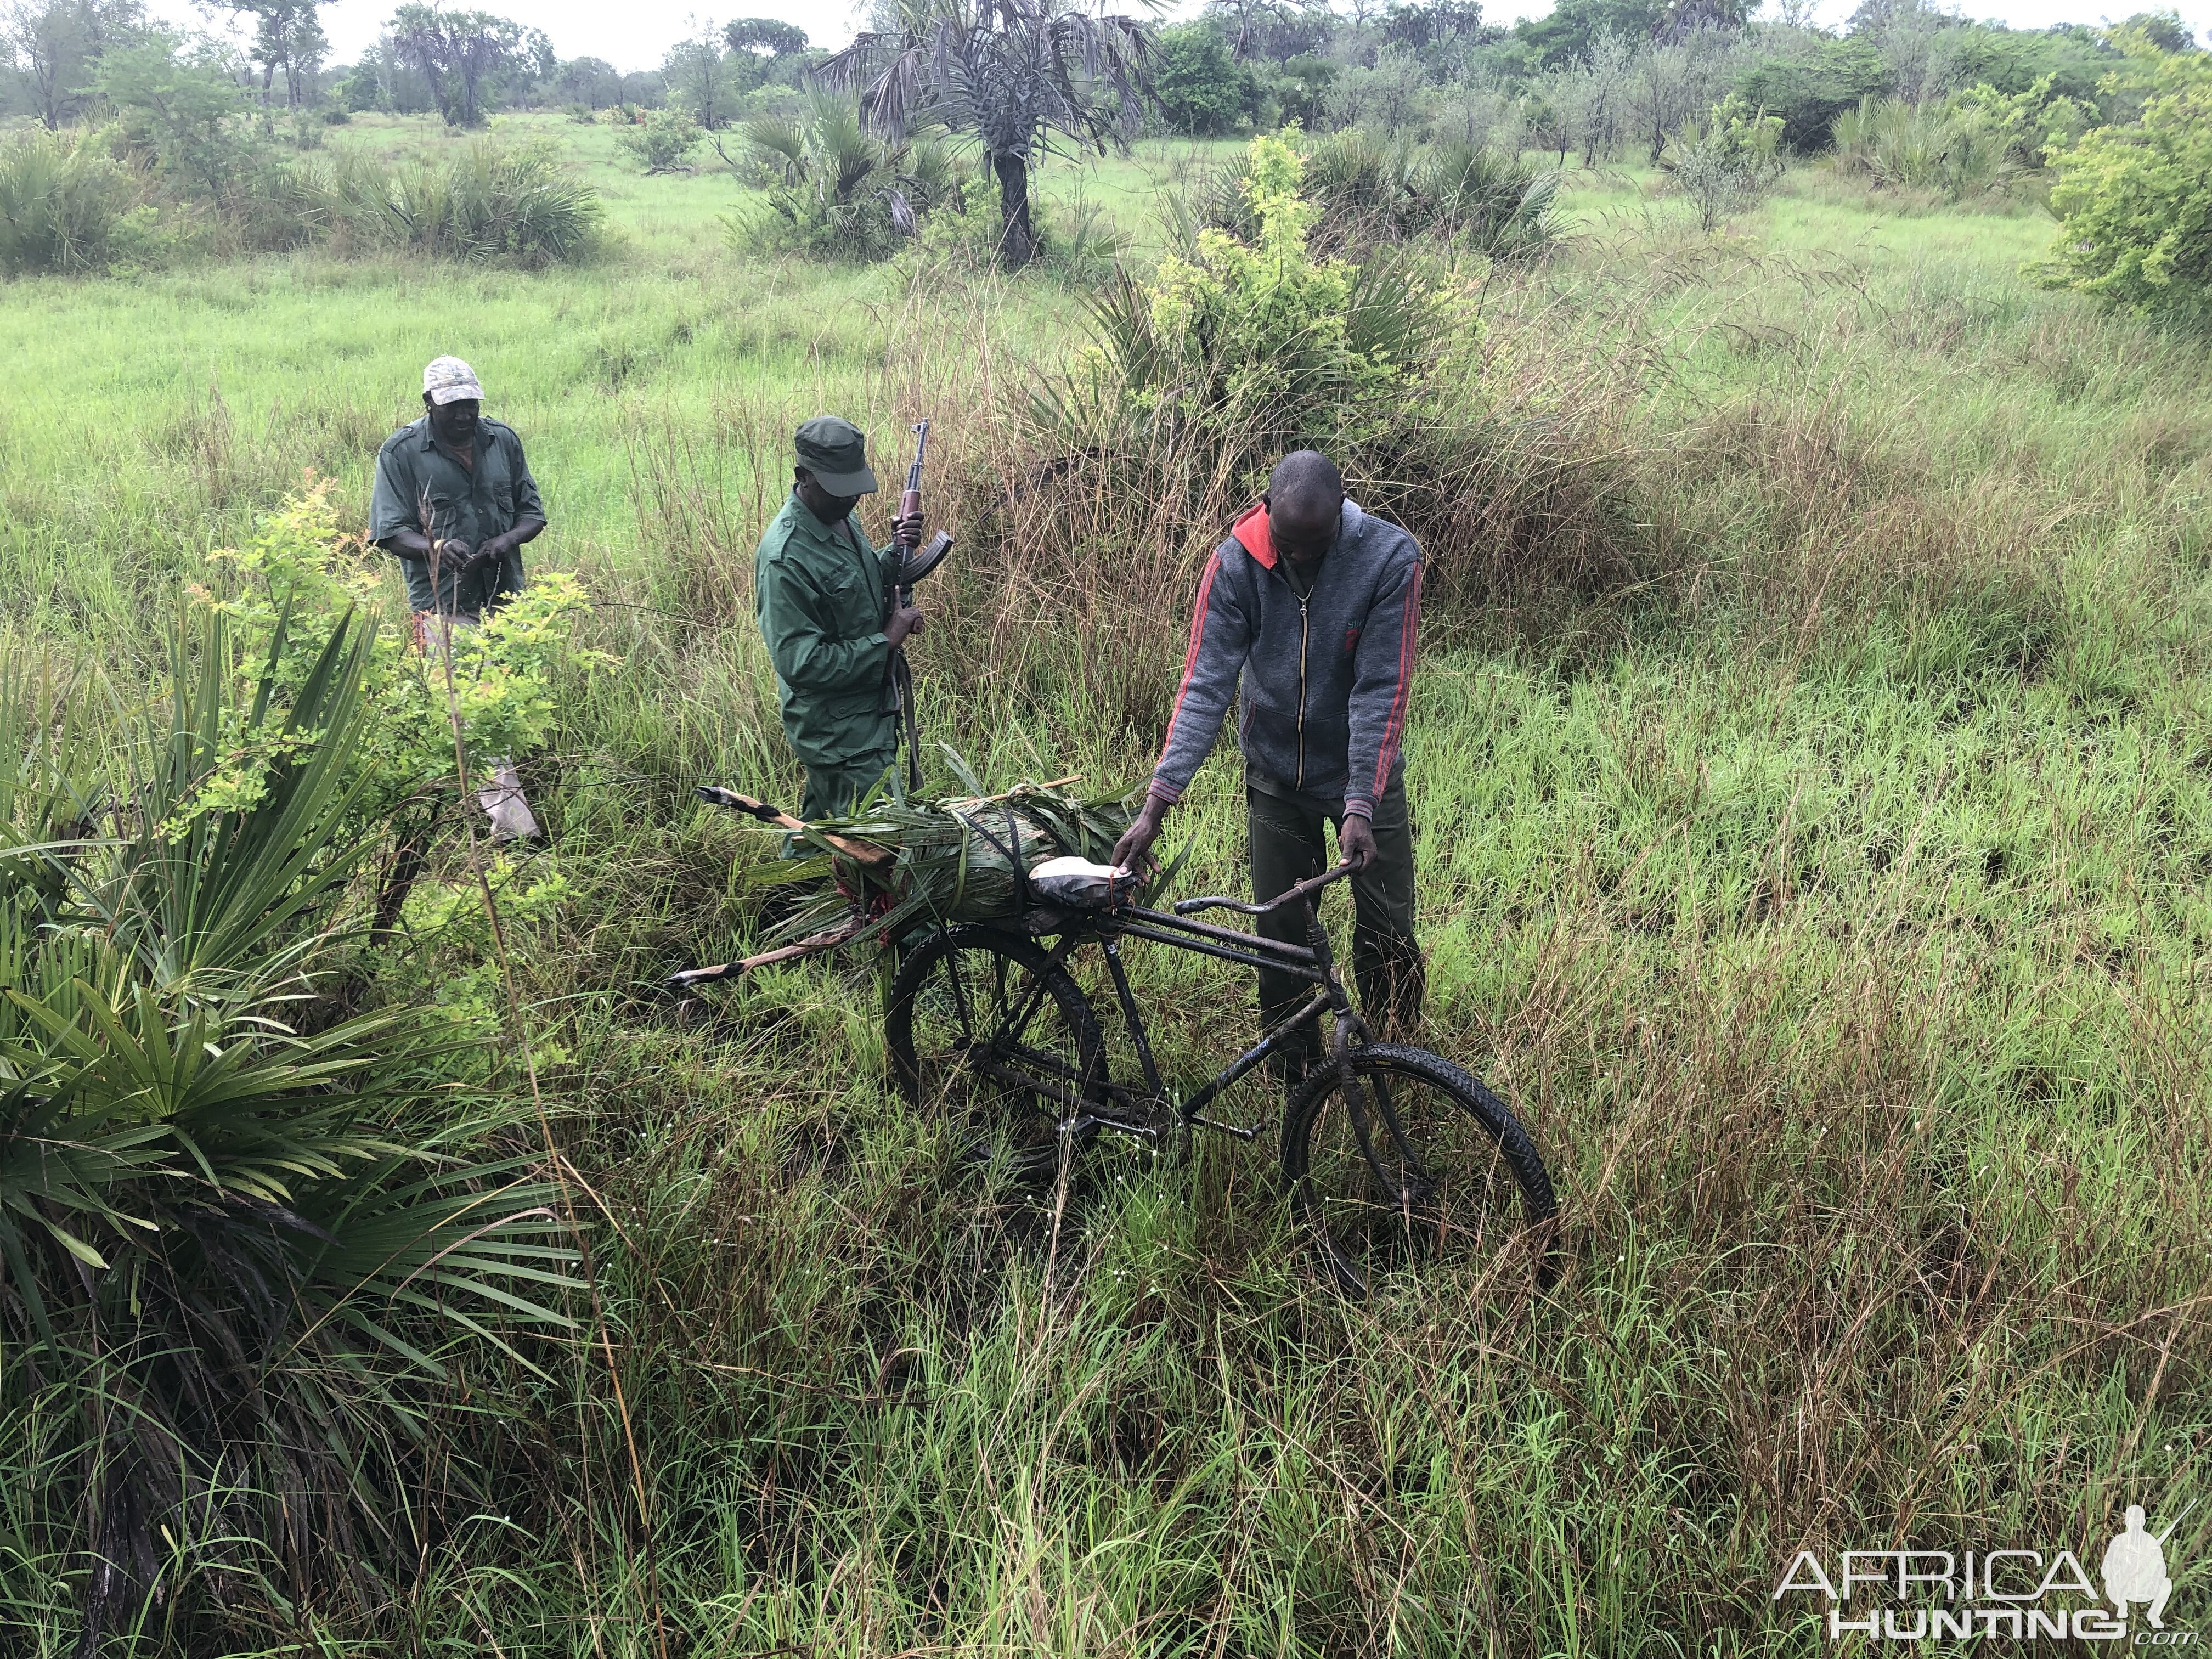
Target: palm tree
point(1011, 76)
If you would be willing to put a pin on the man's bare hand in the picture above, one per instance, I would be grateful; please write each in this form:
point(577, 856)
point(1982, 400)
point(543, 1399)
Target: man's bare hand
point(1355, 841)
point(904, 624)
point(1134, 850)
point(907, 532)
point(454, 554)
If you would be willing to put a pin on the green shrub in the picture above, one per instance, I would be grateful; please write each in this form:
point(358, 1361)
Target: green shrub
point(1723, 163)
point(287, 592)
point(1078, 243)
point(485, 201)
point(1824, 80)
point(2135, 203)
point(662, 143)
point(1365, 191)
point(1197, 86)
point(1488, 200)
point(1242, 349)
point(1302, 90)
point(2027, 126)
point(361, 88)
point(183, 115)
point(64, 202)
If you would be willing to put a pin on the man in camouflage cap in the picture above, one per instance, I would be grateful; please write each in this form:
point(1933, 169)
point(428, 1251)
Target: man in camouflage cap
point(454, 502)
point(828, 610)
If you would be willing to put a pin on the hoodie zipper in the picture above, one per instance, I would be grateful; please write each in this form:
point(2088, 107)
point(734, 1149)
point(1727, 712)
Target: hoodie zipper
point(1302, 619)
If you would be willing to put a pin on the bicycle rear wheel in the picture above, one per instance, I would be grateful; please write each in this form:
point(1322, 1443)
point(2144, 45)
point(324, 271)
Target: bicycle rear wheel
point(1420, 1165)
point(986, 1029)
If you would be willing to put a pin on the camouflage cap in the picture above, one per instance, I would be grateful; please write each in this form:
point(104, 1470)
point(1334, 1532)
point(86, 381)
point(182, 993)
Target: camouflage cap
point(836, 453)
point(448, 380)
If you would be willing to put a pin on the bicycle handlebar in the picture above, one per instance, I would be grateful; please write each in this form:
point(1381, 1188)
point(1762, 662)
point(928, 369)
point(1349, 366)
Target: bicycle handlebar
point(1304, 890)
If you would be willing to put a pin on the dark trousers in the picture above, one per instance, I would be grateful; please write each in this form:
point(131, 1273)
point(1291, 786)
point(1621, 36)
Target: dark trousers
point(1288, 846)
point(832, 791)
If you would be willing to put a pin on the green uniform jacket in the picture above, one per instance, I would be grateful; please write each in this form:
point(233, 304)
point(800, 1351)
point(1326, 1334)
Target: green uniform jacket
point(822, 594)
point(473, 503)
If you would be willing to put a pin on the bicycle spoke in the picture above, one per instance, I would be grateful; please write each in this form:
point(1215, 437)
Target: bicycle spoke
point(989, 1034)
point(1396, 1168)
point(959, 995)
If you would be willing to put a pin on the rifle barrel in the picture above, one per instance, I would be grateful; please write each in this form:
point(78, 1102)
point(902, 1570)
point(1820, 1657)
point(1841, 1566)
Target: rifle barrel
point(920, 444)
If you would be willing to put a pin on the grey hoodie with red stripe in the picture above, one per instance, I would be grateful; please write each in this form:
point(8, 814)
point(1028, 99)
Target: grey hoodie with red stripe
point(1324, 680)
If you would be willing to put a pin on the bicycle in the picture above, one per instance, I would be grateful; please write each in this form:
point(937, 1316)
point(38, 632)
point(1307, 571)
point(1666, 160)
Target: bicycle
point(1392, 1154)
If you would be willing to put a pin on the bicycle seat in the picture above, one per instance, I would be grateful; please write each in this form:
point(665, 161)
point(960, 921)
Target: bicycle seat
point(1079, 885)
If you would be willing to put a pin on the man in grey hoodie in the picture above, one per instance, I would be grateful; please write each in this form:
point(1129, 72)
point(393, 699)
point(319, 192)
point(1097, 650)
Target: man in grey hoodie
point(1309, 611)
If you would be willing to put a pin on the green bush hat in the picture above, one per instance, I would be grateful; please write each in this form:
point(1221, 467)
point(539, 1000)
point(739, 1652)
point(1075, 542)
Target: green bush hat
point(836, 453)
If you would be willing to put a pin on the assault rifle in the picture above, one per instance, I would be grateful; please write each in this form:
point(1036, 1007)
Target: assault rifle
point(914, 565)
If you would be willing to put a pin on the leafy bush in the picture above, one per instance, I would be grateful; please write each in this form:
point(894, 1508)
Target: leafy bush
point(1390, 97)
point(184, 115)
point(246, 1231)
point(290, 589)
point(1723, 163)
point(1079, 242)
point(1811, 87)
point(2025, 126)
point(64, 205)
point(1302, 90)
point(835, 191)
point(2135, 203)
point(1240, 349)
point(1366, 193)
point(1487, 199)
point(663, 143)
point(1197, 87)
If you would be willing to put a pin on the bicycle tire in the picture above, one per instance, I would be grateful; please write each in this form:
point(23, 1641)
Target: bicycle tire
point(1344, 1197)
point(958, 989)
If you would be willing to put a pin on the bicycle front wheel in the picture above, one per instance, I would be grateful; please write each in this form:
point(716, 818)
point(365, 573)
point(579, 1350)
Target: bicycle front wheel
point(1419, 1165)
point(987, 1031)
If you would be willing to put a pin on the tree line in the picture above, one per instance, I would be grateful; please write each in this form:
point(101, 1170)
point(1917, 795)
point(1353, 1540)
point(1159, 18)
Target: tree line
point(462, 65)
point(1607, 80)
point(1906, 94)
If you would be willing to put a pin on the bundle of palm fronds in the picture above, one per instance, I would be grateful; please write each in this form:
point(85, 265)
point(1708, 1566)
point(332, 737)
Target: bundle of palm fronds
point(900, 863)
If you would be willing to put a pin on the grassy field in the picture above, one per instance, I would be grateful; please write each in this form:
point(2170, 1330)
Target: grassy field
point(1828, 880)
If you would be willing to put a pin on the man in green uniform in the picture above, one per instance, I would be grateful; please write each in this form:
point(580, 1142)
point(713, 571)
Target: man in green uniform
point(454, 502)
point(826, 599)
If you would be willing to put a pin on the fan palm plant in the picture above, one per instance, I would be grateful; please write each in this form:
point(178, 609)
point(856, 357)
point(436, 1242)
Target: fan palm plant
point(839, 191)
point(241, 1233)
point(1012, 76)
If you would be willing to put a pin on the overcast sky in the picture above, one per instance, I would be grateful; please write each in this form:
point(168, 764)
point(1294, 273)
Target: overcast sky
point(633, 34)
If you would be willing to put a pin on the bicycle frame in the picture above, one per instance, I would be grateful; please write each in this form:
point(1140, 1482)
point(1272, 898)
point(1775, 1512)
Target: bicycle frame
point(1314, 962)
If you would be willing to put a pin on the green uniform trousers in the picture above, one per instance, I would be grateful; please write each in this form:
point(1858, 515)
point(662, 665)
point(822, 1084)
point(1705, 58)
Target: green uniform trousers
point(1287, 848)
point(832, 791)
